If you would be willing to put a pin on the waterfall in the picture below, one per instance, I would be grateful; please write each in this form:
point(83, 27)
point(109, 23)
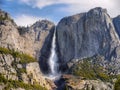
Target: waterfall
point(53, 57)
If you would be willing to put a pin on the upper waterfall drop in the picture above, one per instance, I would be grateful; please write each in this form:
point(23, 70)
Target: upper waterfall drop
point(53, 57)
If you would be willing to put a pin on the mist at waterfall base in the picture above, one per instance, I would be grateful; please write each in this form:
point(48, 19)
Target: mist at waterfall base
point(53, 60)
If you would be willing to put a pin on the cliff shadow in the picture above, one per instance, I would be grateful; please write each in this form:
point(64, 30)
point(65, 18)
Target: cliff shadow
point(45, 53)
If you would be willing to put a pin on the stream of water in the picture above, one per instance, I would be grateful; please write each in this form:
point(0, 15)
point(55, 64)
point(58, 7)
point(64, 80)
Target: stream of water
point(53, 59)
point(54, 74)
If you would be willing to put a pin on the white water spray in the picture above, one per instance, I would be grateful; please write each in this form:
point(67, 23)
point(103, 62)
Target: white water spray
point(53, 58)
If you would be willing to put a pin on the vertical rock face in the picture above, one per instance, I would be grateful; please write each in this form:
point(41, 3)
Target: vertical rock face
point(45, 53)
point(67, 37)
point(116, 22)
point(29, 73)
point(87, 34)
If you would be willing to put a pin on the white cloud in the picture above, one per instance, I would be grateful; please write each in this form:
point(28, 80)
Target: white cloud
point(38, 3)
point(77, 6)
point(85, 5)
point(24, 20)
point(44, 3)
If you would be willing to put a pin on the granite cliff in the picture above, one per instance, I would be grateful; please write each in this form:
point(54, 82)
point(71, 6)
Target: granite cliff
point(116, 22)
point(88, 34)
point(85, 35)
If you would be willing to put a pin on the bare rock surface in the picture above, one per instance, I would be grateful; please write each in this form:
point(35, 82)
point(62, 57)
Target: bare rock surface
point(78, 83)
point(116, 22)
point(87, 34)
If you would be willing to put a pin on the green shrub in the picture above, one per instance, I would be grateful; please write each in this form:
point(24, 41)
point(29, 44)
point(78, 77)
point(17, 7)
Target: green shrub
point(84, 69)
point(103, 76)
point(22, 70)
point(4, 50)
point(89, 70)
point(16, 84)
point(66, 88)
point(15, 54)
point(2, 79)
point(3, 18)
point(24, 58)
point(117, 85)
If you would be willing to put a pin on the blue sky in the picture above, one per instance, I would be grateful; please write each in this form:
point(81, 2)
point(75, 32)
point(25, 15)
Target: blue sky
point(26, 12)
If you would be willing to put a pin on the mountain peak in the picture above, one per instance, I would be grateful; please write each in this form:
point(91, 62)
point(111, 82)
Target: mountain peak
point(4, 15)
point(99, 9)
point(5, 19)
point(97, 12)
point(118, 16)
point(42, 24)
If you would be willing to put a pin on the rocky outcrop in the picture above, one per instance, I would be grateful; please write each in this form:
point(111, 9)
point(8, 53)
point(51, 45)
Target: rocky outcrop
point(28, 72)
point(78, 83)
point(89, 85)
point(87, 34)
point(6, 67)
point(98, 85)
point(36, 76)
